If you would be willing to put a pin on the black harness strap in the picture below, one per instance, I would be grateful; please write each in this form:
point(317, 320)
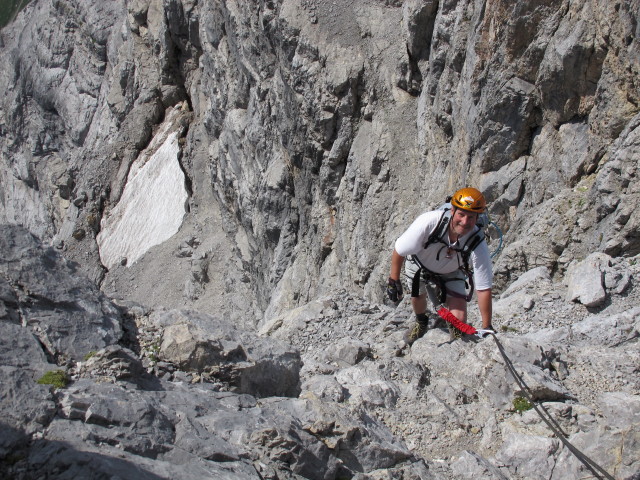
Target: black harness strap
point(415, 284)
point(469, 247)
point(441, 228)
point(429, 277)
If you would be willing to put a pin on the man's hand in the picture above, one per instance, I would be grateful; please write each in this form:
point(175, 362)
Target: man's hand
point(394, 290)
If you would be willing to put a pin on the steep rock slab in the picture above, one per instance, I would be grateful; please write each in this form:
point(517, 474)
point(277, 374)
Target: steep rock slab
point(615, 442)
point(153, 203)
point(479, 368)
point(472, 465)
point(26, 405)
point(608, 436)
point(55, 57)
point(26, 408)
point(64, 310)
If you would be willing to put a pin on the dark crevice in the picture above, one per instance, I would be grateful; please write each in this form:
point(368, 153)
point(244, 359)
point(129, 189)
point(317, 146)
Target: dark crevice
point(50, 356)
point(534, 131)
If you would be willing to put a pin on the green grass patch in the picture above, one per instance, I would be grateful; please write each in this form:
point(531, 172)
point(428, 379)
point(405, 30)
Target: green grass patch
point(521, 404)
point(507, 329)
point(56, 378)
point(89, 355)
point(9, 9)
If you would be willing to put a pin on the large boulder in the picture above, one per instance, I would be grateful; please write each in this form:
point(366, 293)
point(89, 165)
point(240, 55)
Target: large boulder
point(197, 342)
point(191, 430)
point(586, 280)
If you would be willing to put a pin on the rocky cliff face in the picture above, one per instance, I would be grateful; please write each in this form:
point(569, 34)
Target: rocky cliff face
point(313, 132)
point(248, 158)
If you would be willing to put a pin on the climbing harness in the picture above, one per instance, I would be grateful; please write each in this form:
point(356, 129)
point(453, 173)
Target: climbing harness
point(438, 282)
point(437, 236)
point(440, 232)
point(593, 467)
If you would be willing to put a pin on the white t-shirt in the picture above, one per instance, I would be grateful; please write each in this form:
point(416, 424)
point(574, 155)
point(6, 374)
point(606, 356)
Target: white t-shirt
point(434, 257)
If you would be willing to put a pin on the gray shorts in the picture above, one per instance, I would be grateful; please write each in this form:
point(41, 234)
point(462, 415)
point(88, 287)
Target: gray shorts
point(455, 281)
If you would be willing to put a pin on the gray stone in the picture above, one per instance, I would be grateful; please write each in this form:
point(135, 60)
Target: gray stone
point(324, 387)
point(369, 390)
point(8, 303)
point(540, 384)
point(20, 348)
point(114, 416)
point(594, 445)
point(586, 280)
point(529, 456)
point(531, 279)
point(349, 351)
point(254, 365)
point(115, 362)
point(71, 458)
point(27, 406)
point(67, 313)
point(609, 330)
point(472, 465)
point(621, 410)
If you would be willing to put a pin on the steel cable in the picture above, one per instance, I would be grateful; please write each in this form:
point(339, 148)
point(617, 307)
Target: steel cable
point(593, 467)
point(596, 469)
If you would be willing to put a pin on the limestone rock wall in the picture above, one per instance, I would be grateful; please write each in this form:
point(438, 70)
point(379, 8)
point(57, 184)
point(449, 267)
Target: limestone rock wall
point(317, 131)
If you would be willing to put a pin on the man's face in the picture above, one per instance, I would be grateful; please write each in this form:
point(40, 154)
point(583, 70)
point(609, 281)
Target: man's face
point(462, 222)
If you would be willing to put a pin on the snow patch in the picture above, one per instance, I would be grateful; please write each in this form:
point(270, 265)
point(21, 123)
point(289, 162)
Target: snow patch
point(151, 209)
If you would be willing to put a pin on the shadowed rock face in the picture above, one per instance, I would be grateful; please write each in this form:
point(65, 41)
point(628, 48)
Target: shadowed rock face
point(67, 313)
point(251, 163)
point(177, 394)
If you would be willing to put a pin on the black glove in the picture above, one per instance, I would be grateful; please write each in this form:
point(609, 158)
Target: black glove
point(394, 290)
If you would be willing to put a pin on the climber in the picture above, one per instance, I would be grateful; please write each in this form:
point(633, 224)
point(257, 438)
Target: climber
point(446, 254)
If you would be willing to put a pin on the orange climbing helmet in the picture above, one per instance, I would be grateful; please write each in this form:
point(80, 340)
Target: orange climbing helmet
point(469, 199)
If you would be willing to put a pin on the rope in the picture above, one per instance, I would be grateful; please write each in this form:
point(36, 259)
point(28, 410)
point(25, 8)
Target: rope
point(593, 467)
point(453, 320)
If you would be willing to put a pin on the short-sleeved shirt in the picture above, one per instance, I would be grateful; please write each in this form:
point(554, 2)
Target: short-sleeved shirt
point(434, 257)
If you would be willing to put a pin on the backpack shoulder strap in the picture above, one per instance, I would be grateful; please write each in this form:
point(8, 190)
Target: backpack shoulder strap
point(439, 232)
point(470, 245)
